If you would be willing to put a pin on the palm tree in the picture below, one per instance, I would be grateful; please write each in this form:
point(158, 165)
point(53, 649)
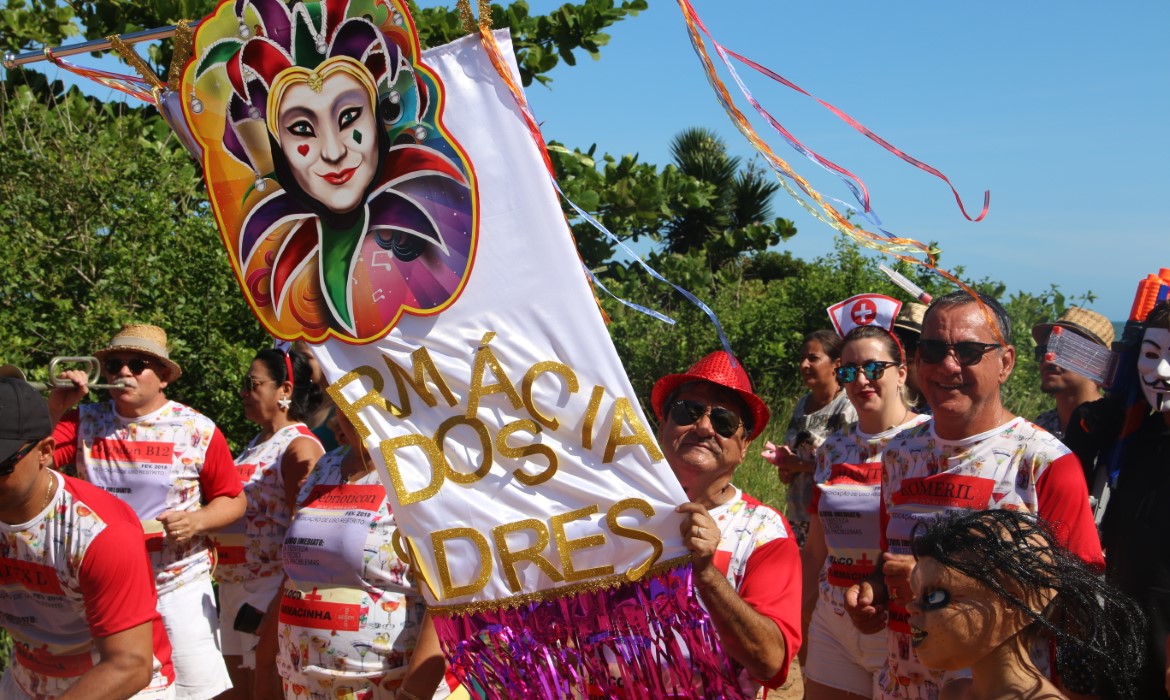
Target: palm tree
point(738, 215)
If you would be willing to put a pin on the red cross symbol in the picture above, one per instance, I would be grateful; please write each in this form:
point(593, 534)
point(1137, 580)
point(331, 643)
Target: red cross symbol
point(865, 560)
point(864, 312)
point(314, 595)
point(346, 616)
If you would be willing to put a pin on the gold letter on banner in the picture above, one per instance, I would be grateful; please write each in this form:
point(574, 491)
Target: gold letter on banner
point(611, 519)
point(485, 441)
point(423, 366)
point(370, 398)
point(438, 463)
point(510, 452)
point(508, 558)
point(566, 547)
point(484, 357)
point(624, 413)
point(591, 416)
point(439, 541)
point(530, 378)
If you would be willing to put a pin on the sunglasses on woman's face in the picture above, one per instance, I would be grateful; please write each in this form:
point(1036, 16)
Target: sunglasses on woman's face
point(967, 352)
point(249, 383)
point(9, 465)
point(724, 421)
point(137, 365)
point(873, 371)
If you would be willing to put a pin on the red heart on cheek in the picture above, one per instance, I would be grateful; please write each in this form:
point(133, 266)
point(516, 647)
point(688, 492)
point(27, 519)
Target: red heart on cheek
point(303, 149)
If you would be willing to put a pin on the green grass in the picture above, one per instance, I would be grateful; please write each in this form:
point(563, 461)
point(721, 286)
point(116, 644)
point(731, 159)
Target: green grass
point(756, 476)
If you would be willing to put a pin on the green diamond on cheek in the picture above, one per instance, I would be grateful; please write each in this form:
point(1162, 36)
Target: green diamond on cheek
point(357, 136)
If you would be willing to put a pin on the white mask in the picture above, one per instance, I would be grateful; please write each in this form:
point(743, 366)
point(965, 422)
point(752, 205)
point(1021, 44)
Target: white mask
point(1153, 367)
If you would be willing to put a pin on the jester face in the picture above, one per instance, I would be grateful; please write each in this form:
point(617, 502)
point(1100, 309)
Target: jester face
point(1153, 366)
point(329, 140)
point(344, 201)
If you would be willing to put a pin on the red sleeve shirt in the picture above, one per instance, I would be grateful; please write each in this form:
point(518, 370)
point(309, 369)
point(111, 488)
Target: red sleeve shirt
point(65, 439)
point(1063, 501)
point(218, 476)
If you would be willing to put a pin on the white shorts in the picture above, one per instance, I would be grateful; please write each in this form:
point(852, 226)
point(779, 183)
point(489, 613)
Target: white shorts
point(258, 593)
point(841, 657)
point(11, 690)
point(192, 623)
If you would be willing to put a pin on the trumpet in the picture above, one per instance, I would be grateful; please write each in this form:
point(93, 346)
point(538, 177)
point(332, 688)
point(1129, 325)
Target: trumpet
point(84, 362)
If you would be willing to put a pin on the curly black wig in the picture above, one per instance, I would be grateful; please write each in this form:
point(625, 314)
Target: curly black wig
point(1015, 554)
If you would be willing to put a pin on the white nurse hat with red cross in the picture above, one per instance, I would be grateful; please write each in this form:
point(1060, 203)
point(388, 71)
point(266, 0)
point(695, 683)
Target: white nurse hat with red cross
point(864, 310)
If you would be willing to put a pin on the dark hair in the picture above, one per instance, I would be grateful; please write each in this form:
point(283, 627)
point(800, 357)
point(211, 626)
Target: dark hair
point(830, 342)
point(883, 336)
point(1012, 553)
point(1159, 316)
point(306, 395)
point(962, 298)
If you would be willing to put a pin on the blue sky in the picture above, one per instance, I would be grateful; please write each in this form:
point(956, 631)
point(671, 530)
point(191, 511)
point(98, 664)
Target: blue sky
point(1060, 109)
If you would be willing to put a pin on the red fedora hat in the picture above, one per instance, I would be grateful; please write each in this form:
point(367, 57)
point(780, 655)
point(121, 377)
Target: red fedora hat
point(715, 368)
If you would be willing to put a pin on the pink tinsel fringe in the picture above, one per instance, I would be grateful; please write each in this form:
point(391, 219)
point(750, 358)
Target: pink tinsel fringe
point(649, 639)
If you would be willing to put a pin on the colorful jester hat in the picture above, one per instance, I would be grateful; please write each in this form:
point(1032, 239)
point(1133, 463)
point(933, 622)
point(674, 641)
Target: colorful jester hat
point(341, 199)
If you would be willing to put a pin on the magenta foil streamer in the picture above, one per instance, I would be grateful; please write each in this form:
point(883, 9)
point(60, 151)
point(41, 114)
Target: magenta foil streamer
point(648, 639)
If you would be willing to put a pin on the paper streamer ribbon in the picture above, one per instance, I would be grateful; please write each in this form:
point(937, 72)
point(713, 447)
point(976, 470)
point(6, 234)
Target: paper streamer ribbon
point(858, 126)
point(901, 248)
point(128, 84)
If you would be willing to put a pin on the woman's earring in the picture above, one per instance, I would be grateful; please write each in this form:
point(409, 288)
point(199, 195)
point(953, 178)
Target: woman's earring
point(284, 403)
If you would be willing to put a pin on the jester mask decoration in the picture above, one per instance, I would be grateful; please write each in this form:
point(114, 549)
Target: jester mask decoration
point(342, 200)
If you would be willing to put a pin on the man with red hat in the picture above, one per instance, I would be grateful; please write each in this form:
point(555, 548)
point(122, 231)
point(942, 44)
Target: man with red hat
point(76, 590)
point(746, 564)
point(172, 465)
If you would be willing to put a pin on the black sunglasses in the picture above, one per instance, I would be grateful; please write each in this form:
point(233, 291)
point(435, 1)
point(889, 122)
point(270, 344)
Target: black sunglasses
point(1041, 351)
point(9, 465)
point(967, 352)
point(723, 420)
point(137, 365)
point(873, 370)
point(249, 383)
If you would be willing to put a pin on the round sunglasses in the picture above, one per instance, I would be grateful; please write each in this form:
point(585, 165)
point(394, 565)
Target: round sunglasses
point(967, 352)
point(724, 421)
point(873, 371)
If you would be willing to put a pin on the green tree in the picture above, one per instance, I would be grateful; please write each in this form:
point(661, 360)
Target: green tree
point(541, 41)
point(105, 223)
point(734, 216)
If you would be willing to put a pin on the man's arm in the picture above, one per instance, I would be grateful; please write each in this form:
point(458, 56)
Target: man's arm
point(222, 491)
point(751, 639)
point(182, 525)
point(125, 668)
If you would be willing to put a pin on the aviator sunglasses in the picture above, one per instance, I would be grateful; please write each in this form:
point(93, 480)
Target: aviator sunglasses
point(967, 352)
point(9, 465)
point(723, 420)
point(873, 371)
point(136, 364)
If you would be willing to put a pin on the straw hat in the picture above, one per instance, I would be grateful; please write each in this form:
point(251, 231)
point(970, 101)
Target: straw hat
point(911, 317)
point(1090, 324)
point(715, 368)
point(145, 340)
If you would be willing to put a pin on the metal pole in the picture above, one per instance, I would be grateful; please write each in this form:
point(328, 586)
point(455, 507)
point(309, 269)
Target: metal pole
point(14, 60)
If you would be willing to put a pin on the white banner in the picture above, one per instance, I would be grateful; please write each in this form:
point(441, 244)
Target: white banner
point(522, 462)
